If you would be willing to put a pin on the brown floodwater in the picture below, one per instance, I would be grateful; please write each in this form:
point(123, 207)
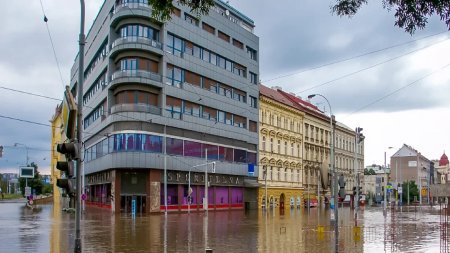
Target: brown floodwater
point(48, 230)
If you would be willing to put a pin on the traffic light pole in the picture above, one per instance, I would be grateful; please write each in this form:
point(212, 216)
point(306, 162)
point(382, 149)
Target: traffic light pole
point(81, 43)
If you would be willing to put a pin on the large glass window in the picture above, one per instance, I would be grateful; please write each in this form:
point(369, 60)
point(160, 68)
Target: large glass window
point(175, 45)
point(213, 151)
point(251, 157)
point(139, 31)
point(151, 143)
point(240, 156)
point(193, 149)
point(225, 154)
point(174, 146)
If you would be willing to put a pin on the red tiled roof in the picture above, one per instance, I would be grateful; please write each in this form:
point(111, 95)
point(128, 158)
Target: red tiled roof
point(275, 95)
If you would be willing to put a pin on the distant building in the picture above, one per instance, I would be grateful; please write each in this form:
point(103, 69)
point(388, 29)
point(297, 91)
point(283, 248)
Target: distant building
point(408, 164)
point(442, 168)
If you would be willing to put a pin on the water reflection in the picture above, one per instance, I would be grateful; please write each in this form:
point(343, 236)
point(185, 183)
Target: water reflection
point(49, 230)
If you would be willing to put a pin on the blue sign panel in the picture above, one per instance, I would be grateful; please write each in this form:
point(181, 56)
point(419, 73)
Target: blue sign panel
point(251, 169)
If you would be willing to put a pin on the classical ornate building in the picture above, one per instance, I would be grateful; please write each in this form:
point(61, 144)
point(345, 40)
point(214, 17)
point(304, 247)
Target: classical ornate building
point(281, 150)
point(345, 157)
point(316, 148)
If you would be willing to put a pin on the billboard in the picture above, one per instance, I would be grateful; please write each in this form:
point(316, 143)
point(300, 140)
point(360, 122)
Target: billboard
point(27, 172)
point(412, 163)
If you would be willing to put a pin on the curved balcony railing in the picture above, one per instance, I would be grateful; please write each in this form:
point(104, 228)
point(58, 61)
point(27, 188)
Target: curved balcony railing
point(136, 108)
point(136, 73)
point(135, 5)
point(138, 40)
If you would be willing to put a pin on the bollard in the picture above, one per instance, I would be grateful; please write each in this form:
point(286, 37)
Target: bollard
point(208, 250)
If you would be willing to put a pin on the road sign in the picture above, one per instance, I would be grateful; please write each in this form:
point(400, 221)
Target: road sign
point(424, 191)
point(27, 191)
point(83, 196)
point(400, 189)
point(133, 207)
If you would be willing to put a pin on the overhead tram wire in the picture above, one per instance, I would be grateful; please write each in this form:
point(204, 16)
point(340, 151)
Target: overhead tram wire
point(397, 90)
point(371, 66)
point(52, 44)
point(350, 58)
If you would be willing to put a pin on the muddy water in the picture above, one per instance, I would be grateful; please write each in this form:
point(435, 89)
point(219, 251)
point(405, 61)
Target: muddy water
point(49, 230)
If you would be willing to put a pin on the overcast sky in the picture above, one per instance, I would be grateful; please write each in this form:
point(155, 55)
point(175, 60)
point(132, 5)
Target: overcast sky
point(392, 84)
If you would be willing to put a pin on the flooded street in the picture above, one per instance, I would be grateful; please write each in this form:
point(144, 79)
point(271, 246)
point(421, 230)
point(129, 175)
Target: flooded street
point(48, 230)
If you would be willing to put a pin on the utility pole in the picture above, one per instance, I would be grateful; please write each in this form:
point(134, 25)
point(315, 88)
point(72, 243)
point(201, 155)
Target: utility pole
point(81, 42)
point(359, 137)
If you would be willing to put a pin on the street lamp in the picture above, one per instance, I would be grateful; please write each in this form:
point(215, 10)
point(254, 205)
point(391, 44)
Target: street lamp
point(334, 178)
point(385, 184)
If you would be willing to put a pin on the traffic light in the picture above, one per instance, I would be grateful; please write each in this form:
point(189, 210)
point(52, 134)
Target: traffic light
point(359, 193)
point(342, 184)
point(354, 190)
point(1, 151)
point(359, 136)
point(70, 151)
point(67, 167)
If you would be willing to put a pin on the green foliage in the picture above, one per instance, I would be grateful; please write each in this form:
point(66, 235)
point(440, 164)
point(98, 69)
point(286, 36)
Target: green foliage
point(413, 191)
point(47, 189)
point(369, 172)
point(35, 183)
point(409, 14)
point(161, 9)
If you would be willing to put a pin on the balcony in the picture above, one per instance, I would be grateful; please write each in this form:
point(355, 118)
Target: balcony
point(129, 9)
point(135, 42)
point(138, 40)
point(137, 74)
point(136, 108)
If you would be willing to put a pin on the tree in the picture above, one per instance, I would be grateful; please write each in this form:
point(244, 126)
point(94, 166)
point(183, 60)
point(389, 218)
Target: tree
point(413, 191)
point(163, 8)
point(409, 14)
point(35, 183)
point(369, 172)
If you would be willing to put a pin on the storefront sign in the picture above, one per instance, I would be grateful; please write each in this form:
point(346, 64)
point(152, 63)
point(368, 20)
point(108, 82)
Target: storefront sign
point(99, 178)
point(182, 177)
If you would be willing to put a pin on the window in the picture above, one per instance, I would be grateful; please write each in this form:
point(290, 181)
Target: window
point(190, 19)
point(238, 44)
point(224, 36)
point(239, 121)
point(271, 145)
point(279, 146)
point(252, 53)
point(264, 143)
point(253, 78)
point(285, 147)
point(226, 154)
point(174, 44)
point(139, 31)
point(174, 146)
point(292, 149)
point(239, 95)
point(173, 106)
point(174, 75)
point(193, 149)
point(240, 156)
point(128, 64)
point(253, 102)
point(209, 113)
point(253, 127)
point(192, 78)
point(208, 28)
point(191, 109)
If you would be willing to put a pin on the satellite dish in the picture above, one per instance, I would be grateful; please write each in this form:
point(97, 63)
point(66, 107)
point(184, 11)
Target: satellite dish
point(227, 12)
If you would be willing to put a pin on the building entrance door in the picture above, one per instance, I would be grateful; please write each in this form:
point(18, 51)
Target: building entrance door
point(127, 202)
point(282, 197)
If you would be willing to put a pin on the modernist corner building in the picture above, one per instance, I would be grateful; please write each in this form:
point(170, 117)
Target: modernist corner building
point(161, 99)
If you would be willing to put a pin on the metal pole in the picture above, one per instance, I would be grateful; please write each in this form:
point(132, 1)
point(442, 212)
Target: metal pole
point(336, 223)
point(189, 188)
point(419, 180)
point(385, 185)
point(165, 169)
point(79, 129)
point(205, 204)
point(355, 167)
point(334, 183)
point(266, 200)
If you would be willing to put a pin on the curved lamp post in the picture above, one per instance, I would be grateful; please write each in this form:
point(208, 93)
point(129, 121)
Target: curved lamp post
point(333, 171)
